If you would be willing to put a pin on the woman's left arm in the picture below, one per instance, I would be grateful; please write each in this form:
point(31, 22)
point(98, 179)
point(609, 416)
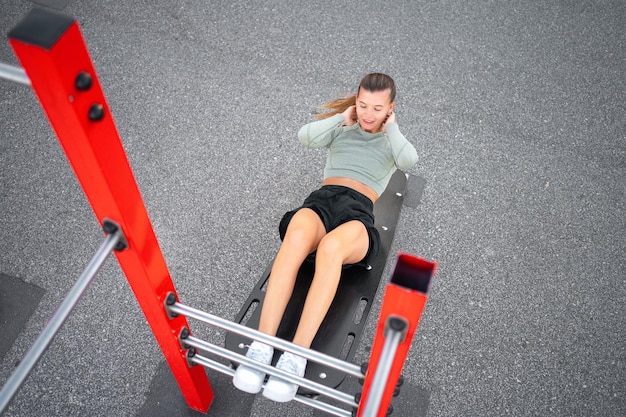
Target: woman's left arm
point(404, 153)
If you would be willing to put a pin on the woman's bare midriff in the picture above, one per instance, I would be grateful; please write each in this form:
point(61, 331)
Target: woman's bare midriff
point(354, 184)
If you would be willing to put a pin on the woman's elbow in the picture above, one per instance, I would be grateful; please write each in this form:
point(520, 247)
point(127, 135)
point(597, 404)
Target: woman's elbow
point(407, 160)
point(303, 136)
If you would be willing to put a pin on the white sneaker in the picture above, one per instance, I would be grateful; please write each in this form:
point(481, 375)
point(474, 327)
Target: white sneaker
point(280, 390)
point(248, 379)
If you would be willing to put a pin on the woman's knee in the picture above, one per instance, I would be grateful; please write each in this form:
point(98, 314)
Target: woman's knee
point(333, 248)
point(297, 238)
point(304, 231)
point(344, 245)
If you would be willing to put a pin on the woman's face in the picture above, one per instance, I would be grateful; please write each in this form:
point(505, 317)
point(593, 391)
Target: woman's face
point(373, 108)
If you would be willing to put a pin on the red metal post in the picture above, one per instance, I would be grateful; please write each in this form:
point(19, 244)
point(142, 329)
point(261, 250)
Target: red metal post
point(54, 55)
point(405, 298)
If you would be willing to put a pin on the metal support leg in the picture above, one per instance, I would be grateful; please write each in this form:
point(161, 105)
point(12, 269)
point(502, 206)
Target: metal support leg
point(52, 51)
point(404, 300)
point(42, 342)
point(396, 333)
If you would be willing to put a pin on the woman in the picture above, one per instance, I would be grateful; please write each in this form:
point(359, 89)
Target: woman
point(335, 222)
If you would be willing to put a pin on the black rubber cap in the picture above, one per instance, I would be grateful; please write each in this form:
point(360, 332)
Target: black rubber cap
point(41, 28)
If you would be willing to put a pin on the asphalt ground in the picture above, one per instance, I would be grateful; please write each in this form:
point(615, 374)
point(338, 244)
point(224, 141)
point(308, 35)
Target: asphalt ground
point(518, 113)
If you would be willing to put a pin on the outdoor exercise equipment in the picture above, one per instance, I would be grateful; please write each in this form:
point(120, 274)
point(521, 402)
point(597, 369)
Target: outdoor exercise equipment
point(56, 64)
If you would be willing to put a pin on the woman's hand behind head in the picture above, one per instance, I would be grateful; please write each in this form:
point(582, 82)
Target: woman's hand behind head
point(349, 116)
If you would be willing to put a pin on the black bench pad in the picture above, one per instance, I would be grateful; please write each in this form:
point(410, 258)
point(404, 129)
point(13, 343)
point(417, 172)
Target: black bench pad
point(341, 329)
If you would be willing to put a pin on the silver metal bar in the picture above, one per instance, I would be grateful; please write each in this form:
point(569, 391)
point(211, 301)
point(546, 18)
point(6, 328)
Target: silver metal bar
point(322, 406)
point(42, 342)
point(216, 366)
point(302, 382)
point(327, 360)
point(319, 405)
point(387, 356)
point(15, 74)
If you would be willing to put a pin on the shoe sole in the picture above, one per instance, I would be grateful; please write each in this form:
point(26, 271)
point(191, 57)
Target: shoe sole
point(279, 396)
point(242, 377)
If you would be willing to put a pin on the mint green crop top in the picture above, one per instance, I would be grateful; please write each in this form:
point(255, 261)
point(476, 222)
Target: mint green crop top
point(370, 158)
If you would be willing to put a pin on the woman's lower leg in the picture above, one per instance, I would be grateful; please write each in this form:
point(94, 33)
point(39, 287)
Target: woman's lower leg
point(346, 244)
point(303, 235)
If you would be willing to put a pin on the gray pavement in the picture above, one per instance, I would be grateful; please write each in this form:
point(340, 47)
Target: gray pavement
point(517, 110)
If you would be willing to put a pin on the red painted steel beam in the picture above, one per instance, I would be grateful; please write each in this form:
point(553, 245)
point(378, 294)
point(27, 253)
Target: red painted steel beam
point(405, 298)
point(54, 55)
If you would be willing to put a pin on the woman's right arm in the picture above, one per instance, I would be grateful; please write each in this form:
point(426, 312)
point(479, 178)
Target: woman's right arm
point(321, 133)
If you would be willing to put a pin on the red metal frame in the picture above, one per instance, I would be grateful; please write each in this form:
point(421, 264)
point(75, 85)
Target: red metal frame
point(402, 300)
point(96, 154)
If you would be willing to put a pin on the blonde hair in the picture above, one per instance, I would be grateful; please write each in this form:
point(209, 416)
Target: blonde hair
point(371, 82)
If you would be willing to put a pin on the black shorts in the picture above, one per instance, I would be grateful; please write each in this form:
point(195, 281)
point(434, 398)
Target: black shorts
point(337, 205)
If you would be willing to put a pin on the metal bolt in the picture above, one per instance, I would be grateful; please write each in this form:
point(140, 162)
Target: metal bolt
point(397, 324)
point(184, 333)
point(83, 81)
point(96, 112)
point(171, 299)
point(109, 227)
point(121, 246)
